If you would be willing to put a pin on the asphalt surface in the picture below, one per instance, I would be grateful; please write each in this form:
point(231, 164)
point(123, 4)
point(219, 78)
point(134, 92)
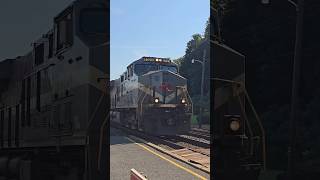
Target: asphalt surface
point(125, 155)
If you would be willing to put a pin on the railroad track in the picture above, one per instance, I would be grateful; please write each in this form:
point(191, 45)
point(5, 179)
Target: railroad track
point(154, 139)
point(204, 131)
point(183, 147)
point(190, 142)
point(199, 134)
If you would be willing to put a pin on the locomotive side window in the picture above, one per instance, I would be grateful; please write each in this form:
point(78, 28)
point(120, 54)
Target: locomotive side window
point(64, 30)
point(130, 70)
point(93, 21)
point(39, 54)
point(122, 78)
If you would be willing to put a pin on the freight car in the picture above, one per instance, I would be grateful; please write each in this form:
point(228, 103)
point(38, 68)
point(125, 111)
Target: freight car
point(53, 100)
point(152, 97)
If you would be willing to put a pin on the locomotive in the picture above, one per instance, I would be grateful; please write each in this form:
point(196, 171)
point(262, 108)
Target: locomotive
point(238, 134)
point(53, 100)
point(152, 96)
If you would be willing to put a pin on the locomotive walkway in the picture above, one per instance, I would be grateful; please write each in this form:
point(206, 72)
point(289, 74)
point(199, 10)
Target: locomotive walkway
point(127, 153)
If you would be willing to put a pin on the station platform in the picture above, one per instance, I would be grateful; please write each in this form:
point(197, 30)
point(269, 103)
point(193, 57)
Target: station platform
point(126, 153)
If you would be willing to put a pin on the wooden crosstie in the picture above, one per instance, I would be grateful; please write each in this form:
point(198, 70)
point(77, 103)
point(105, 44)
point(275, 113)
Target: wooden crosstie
point(193, 156)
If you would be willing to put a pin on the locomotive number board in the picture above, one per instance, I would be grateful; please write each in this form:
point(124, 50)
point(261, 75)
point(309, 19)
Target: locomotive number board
point(152, 59)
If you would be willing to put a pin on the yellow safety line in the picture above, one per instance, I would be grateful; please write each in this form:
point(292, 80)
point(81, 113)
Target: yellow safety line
point(172, 162)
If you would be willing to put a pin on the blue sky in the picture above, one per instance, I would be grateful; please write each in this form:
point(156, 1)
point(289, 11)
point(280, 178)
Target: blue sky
point(158, 28)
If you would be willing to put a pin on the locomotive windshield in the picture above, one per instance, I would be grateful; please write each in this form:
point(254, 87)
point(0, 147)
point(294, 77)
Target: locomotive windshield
point(93, 21)
point(141, 69)
point(169, 68)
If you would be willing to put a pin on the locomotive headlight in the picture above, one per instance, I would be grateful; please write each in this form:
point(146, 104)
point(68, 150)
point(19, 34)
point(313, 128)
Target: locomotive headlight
point(234, 125)
point(156, 100)
point(183, 101)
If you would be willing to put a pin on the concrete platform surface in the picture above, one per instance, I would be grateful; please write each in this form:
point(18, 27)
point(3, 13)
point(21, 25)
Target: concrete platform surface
point(126, 154)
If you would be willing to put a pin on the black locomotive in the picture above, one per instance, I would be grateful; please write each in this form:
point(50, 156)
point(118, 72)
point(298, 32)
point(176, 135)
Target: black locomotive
point(53, 100)
point(152, 97)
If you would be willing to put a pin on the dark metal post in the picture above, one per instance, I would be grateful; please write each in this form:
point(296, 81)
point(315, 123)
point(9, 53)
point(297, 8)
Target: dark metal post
point(219, 12)
point(295, 91)
point(202, 83)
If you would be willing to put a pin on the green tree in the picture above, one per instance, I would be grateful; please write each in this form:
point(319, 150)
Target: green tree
point(207, 30)
point(194, 43)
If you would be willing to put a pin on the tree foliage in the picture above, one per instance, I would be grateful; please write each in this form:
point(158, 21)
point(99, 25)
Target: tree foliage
point(192, 72)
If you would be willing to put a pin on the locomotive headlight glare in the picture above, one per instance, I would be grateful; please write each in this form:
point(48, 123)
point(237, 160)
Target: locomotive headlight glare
point(183, 101)
point(234, 125)
point(156, 100)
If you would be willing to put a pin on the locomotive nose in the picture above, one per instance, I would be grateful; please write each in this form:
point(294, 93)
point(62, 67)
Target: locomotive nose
point(162, 79)
point(164, 84)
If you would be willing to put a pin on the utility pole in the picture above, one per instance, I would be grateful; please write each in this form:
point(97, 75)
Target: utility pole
point(295, 90)
point(203, 63)
point(202, 84)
